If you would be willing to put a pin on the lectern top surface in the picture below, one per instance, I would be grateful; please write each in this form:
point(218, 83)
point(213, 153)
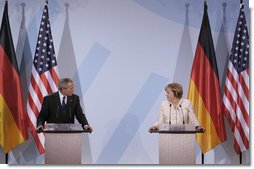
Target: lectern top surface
point(178, 128)
point(62, 128)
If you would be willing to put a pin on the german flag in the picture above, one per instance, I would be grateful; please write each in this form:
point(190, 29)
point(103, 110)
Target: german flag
point(13, 130)
point(204, 89)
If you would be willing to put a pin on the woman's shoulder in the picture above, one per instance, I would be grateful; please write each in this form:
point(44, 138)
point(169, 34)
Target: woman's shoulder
point(186, 102)
point(165, 103)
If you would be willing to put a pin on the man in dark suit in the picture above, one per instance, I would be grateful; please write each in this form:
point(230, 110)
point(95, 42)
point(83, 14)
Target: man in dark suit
point(62, 106)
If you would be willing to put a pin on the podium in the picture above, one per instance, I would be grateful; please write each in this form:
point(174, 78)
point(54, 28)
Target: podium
point(177, 144)
point(63, 143)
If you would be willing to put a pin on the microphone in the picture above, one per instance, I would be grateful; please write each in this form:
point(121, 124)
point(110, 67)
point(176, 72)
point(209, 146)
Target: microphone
point(70, 107)
point(170, 113)
point(182, 112)
point(57, 111)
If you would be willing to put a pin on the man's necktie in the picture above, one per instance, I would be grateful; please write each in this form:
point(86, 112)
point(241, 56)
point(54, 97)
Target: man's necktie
point(64, 102)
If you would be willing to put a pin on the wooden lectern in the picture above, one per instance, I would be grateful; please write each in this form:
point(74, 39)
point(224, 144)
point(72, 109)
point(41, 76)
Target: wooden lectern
point(177, 144)
point(63, 143)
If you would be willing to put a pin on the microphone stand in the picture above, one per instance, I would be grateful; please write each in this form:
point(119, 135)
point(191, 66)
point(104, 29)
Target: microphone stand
point(182, 113)
point(169, 121)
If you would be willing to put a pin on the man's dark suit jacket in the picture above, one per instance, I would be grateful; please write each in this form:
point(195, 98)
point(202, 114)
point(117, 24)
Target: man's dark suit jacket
point(51, 110)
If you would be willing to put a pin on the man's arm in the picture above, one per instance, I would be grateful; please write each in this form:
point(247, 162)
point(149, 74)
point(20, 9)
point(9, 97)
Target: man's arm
point(43, 115)
point(79, 113)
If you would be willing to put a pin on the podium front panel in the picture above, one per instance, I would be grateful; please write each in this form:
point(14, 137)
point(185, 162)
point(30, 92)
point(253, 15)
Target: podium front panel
point(177, 149)
point(63, 148)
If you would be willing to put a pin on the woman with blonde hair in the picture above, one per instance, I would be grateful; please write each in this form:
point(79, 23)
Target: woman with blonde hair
point(175, 109)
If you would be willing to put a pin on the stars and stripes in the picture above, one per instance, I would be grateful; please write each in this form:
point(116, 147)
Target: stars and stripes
point(44, 76)
point(236, 94)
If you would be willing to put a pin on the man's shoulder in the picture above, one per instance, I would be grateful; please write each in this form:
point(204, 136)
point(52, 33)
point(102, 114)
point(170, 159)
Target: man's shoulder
point(74, 96)
point(52, 95)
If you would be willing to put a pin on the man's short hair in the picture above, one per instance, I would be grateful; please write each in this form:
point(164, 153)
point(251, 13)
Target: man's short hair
point(63, 83)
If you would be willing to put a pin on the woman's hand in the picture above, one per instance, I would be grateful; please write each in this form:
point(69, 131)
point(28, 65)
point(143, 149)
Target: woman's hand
point(152, 129)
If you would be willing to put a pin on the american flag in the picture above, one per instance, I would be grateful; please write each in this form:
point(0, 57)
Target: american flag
point(44, 76)
point(237, 95)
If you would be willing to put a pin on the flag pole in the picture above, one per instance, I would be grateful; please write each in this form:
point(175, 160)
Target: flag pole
point(6, 154)
point(240, 155)
point(240, 158)
point(202, 158)
point(202, 154)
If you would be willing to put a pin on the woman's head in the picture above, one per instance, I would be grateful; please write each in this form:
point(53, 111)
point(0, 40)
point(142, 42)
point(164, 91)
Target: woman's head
point(174, 90)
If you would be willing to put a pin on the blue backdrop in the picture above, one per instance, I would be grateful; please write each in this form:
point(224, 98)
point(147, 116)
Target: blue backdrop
point(121, 54)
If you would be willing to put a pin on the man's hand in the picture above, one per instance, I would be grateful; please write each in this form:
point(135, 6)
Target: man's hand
point(88, 128)
point(39, 128)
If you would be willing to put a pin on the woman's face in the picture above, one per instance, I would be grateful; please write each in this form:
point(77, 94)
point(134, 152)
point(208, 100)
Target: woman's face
point(170, 94)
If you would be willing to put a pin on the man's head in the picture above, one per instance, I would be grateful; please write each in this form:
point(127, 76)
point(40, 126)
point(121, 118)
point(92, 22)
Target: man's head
point(66, 86)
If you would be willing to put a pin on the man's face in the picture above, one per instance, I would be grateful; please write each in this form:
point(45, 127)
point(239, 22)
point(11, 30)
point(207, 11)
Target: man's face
point(68, 91)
